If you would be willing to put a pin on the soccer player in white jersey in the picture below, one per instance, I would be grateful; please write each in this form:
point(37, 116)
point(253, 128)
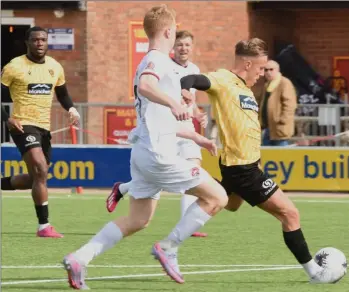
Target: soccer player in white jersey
point(155, 165)
point(187, 148)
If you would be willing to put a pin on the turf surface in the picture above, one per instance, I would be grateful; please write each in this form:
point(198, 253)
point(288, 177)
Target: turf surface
point(244, 251)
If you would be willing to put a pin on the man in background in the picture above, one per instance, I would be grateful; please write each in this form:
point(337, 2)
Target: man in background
point(278, 102)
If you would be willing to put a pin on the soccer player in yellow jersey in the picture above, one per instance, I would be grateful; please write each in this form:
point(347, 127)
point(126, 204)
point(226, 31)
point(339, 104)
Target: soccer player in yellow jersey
point(236, 112)
point(31, 81)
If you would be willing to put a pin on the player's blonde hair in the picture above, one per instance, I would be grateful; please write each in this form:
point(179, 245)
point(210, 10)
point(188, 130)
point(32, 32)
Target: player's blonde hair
point(182, 34)
point(251, 48)
point(157, 18)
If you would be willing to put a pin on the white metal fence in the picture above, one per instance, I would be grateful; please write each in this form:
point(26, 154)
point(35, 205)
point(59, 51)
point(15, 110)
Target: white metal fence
point(316, 124)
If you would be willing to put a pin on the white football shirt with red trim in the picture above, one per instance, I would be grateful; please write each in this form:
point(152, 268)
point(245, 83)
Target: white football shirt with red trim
point(156, 125)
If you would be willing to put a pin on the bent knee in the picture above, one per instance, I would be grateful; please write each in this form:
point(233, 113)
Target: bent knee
point(40, 170)
point(218, 203)
point(139, 224)
point(223, 200)
point(290, 215)
point(232, 208)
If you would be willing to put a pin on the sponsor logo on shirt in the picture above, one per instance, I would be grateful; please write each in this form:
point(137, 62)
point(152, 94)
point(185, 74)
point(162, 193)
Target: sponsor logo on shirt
point(39, 88)
point(248, 103)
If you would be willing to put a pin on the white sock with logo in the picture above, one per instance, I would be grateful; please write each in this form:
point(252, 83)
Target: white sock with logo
point(192, 221)
point(105, 239)
point(186, 202)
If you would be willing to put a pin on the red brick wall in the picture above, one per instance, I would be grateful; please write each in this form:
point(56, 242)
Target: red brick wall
point(321, 35)
point(317, 35)
point(216, 26)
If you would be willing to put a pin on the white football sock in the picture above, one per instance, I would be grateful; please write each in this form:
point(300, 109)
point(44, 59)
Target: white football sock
point(43, 226)
point(124, 188)
point(186, 201)
point(105, 239)
point(311, 268)
point(193, 220)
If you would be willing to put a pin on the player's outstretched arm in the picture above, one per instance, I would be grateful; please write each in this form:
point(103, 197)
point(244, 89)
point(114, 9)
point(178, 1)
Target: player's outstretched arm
point(197, 81)
point(148, 87)
point(198, 139)
point(67, 103)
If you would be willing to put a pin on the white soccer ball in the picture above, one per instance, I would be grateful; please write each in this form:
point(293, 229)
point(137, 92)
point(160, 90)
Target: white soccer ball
point(333, 259)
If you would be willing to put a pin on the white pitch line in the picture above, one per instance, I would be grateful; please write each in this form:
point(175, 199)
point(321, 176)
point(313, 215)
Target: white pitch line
point(149, 275)
point(321, 201)
point(75, 197)
point(98, 197)
point(144, 266)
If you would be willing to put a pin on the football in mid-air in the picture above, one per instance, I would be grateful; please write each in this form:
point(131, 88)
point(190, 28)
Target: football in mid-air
point(333, 259)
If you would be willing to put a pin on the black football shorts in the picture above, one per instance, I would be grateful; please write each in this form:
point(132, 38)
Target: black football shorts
point(247, 181)
point(31, 138)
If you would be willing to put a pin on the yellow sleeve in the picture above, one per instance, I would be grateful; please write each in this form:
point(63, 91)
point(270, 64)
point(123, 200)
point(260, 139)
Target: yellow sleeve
point(214, 89)
point(8, 74)
point(61, 76)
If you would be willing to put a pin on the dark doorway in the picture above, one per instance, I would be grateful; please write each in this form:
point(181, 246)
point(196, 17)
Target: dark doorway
point(12, 45)
point(12, 42)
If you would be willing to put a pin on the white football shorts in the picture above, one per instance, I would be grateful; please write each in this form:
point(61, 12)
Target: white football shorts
point(152, 174)
point(188, 149)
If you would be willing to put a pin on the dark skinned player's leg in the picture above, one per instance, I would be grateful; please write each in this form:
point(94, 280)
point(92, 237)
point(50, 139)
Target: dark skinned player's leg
point(38, 168)
point(17, 182)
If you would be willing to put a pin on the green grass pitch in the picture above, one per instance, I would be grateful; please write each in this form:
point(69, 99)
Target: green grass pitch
point(244, 251)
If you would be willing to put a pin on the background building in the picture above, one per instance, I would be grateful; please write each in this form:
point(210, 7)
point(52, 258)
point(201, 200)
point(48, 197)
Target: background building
point(99, 64)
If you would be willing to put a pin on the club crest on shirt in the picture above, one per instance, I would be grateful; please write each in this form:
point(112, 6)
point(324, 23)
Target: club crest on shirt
point(248, 103)
point(52, 73)
point(150, 66)
point(195, 171)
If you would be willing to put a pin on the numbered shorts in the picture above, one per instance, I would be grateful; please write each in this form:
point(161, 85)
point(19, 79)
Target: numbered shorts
point(151, 175)
point(188, 149)
point(31, 138)
point(247, 181)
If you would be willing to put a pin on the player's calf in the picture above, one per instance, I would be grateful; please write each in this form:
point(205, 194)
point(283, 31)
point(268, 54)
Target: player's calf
point(212, 198)
point(39, 186)
point(234, 203)
point(290, 218)
point(281, 207)
point(37, 165)
point(18, 182)
point(140, 214)
point(130, 225)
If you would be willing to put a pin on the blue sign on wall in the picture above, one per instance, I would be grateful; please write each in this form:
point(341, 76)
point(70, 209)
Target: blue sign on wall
point(94, 167)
